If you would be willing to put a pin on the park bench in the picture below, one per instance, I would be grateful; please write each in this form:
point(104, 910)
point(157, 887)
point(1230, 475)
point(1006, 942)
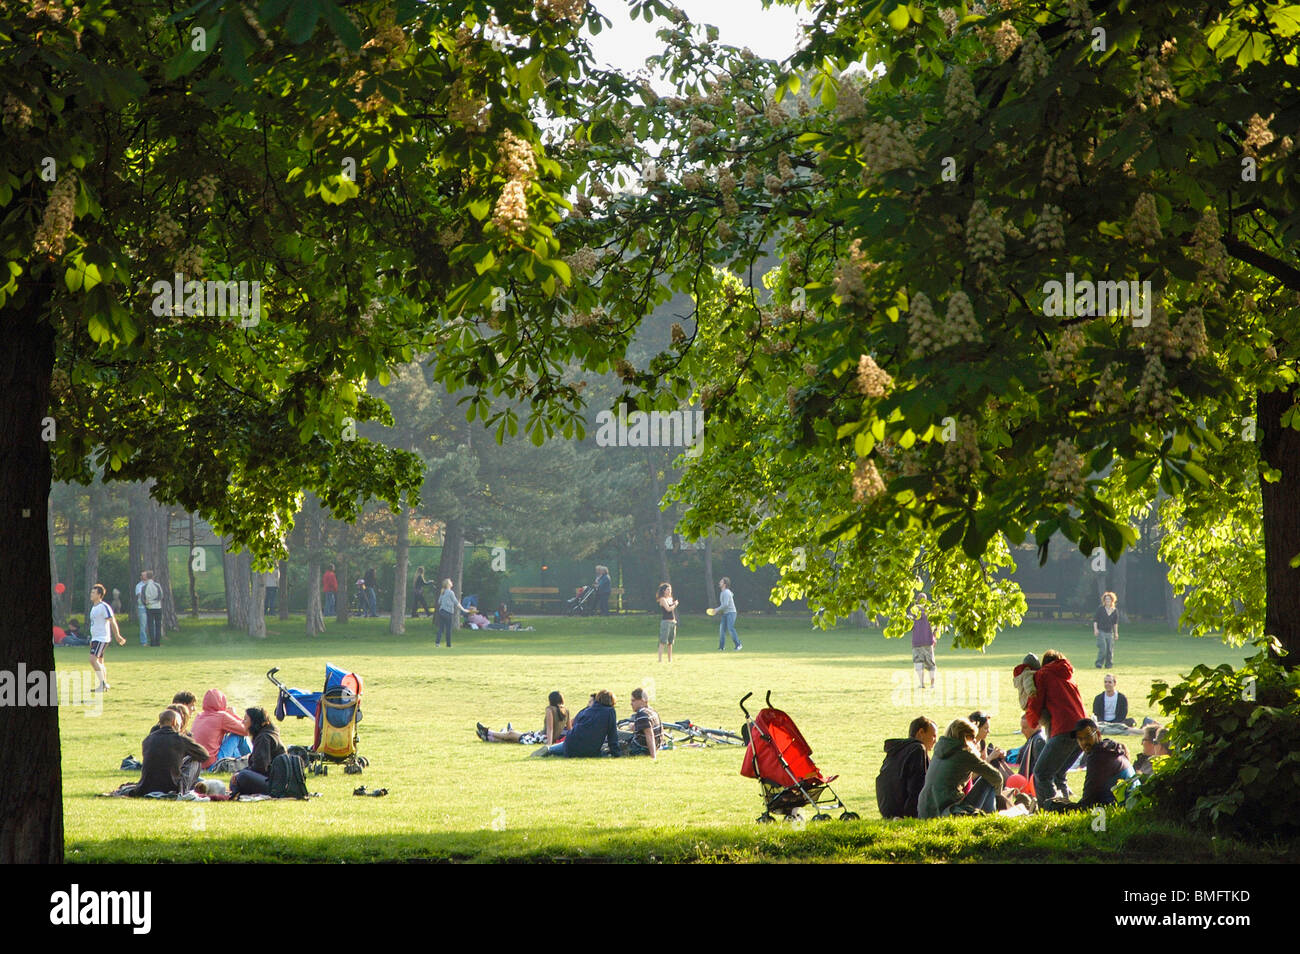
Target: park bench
point(1044, 604)
point(537, 599)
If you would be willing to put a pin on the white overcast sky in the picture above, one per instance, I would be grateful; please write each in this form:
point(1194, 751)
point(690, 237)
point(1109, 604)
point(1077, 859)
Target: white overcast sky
point(772, 33)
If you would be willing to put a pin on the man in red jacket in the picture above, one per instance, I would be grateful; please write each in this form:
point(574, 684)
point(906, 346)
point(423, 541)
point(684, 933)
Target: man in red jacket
point(1057, 698)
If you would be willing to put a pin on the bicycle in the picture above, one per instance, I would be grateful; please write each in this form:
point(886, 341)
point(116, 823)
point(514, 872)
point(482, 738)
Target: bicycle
point(686, 733)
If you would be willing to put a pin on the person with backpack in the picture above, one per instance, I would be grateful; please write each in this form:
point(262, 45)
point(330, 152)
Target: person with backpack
point(266, 746)
point(1057, 696)
point(153, 596)
point(902, 774)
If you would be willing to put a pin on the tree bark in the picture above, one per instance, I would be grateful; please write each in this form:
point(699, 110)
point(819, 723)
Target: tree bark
point(137, 520)
point(314, 519)
point(451, 563)
point(92, 546)
point(31, 802)
point(709, 582)
point(283, 598)
point(237, 573)
point(397, 617)
point(257, 608)
point(1280, 449)
point(162, 573)
point(189, 564)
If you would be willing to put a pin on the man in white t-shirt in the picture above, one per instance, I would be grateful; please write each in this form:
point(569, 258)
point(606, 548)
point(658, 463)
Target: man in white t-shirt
point(103, 625)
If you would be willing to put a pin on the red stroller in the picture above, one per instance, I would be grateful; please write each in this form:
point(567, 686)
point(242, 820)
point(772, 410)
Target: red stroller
point(777, 755)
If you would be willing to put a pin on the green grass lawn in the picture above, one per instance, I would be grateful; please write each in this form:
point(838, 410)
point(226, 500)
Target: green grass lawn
point(452, 796)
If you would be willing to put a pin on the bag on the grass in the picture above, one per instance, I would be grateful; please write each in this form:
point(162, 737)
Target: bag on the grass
point(287, 778)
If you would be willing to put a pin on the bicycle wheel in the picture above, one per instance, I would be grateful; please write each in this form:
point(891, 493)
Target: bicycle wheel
point(721, 736)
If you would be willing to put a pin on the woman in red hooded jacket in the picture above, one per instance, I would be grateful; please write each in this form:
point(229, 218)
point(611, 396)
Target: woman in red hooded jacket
point(212, 724)
point(1058, 696)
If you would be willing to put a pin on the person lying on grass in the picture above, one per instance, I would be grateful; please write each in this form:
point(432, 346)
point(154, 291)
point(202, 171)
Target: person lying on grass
point(593, 727)
point(555, 723)
point(266, 746)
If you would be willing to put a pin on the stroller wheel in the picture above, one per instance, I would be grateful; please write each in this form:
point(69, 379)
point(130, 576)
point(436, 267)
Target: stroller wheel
point(821, 817)
point(765, 819)
point(850, 816)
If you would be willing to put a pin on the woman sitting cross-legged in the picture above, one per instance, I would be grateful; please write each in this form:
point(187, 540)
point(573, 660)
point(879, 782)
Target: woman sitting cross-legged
point(557, 724)
point(266, 746)
point(955, 759)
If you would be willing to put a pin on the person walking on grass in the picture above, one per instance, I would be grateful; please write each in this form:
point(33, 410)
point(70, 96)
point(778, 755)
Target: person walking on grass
point(667, 619)
point(923, 640)
point(329, 586)
point(1105, 627)
point(447, 607)
point(726, 609)
point(418, 600)
point(103, 626)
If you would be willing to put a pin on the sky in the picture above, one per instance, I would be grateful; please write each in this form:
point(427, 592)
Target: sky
point(772, 33)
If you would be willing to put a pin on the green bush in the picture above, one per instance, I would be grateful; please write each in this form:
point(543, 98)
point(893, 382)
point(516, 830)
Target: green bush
point(1234, 764)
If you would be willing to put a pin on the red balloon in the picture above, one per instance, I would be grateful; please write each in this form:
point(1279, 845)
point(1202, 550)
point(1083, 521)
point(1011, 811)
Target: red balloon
point(59, 588)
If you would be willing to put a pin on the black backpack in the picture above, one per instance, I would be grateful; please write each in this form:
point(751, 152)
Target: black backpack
point(287, 778)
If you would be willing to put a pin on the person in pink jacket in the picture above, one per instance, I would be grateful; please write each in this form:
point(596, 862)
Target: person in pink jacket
point(214, 722)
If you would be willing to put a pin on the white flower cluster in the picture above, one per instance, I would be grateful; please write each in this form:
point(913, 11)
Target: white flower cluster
point(466, 109)
point(518, 164)
point(1208, 251)
point(960, 327)
point(1258, 135)
point(1110, 396)
point(56, 224)
point(584, 319)
point(583, 261)
point(727, 186)
point(1063, 360)
point(1153, 398)
point(959, 100)
point(571, 10)
point(53, 9)
point(1034, 63)
point(1144, 224)
point(783, 168)
point(775, 114)
point(1152, 86)
point(189, 262)
point(510, 214)
point(1080, 18)
point(204, 189)
point(515, 157)
point(1059, 167)
point(928, 335)
point(1005, 40)
point(866, 481)
point(885, 147)
point(692, 182)
point(873, 381)
point(1065, 473)
point(849, 105)
point(1189, 334)
point(984, 239)
point(1049, 231)
point(849, 272)
point(16, 113)
point(1158, 335)
point(961, 457)
point(167, 229)
point(949, 17)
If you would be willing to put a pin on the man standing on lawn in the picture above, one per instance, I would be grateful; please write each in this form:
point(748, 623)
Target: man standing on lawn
point(329, 586)
point(153, 595)
point(103, 626)
point(141, 614)
point(923, 641)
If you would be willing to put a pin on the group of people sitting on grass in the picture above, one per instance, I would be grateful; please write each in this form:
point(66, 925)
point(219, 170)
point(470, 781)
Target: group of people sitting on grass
point(930, 776)
point(593, 732)
point(181, 745)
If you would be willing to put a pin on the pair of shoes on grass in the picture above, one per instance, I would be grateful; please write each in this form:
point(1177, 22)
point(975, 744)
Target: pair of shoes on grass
point(482, 731)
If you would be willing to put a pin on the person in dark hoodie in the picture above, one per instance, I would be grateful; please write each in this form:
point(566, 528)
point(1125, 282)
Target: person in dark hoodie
point(163, 754)
point(902, 775)
point(593, 727)
point(1058, 696)
point(956, 757)
point(1107, 764)
point(266, 746)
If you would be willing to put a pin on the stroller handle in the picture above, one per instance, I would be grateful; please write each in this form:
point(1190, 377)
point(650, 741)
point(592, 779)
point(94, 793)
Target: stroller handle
point(272, 672)
point(742, 704)
point(769, 698)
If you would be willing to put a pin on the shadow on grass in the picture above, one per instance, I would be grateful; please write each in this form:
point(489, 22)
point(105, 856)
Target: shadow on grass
point(1128, 838)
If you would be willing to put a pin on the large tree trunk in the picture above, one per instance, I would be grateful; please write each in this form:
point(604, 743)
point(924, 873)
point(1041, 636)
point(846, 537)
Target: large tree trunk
point(1280, 449)
point(709, 582)
point(257, 608)
point(314, 519)
point(137, 520)
point(189, 564)
point(31, 802)
point(163, 573)
point(92, 546)
point(282, 604)
point(397, 617)
point(238, 582)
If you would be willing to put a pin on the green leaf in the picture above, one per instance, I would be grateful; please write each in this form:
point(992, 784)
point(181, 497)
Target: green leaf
point(301, 22)
point(899, 18)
